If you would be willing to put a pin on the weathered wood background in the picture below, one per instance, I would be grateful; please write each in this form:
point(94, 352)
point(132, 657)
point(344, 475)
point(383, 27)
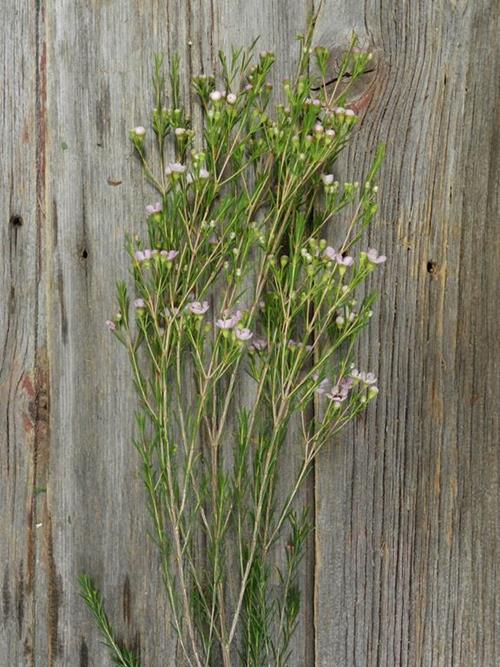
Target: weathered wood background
point(404, 565)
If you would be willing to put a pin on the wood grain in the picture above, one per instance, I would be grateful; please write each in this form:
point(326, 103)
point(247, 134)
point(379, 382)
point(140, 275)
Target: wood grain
point(403, 567)
point(23, 377)
point(407, 503)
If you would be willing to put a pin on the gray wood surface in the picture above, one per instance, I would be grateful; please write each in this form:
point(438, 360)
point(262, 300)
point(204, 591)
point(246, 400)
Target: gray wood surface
point(403, 566)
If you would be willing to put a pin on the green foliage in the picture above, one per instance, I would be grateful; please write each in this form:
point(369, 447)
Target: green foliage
point(242, 320)
point(93, 600)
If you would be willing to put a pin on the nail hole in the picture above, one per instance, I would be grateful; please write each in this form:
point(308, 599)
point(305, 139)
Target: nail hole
point(85, 254)
point(431, 266)
point(16, 220)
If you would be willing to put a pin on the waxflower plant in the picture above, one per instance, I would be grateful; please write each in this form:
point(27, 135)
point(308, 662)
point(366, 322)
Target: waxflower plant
point(235, 286)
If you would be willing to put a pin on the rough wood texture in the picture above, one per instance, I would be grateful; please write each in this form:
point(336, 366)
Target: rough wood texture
point(405, 560)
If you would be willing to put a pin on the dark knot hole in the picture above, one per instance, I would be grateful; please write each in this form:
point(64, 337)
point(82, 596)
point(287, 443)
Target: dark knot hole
point(16, 220)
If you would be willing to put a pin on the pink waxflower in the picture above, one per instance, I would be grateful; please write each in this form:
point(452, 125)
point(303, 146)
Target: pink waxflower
point(198, 307)
point(344, 261)
point(243, 334)
point(374, 258)
point(111, 325)
point(231, 98)
point(340, 391)
point(175, 168)
point(143, 255)
point(225, 323)
point(215, 95)
point(139, 131)
point(203, 174)
point(334, 256)
point(169, 255)
point(139, 303)
point(362, 376)
point(154, 208)
point(229, 322)
point(258, 344)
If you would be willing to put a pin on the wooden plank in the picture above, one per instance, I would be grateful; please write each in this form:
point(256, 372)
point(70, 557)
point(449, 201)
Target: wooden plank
point(101, 58)
point(99, 72)
point(407, 502)
point(23, 381)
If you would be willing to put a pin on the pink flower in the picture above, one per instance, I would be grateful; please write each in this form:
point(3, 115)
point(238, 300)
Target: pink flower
point(340, 391)
point(139, 303)
point(362, 376)
point(327, 179)
point(334, 256)
point(175, 168)
point(198, 307)
point(215, 95)
point(229, 322)
point(344, 261)
point(169, 255)
point(154, 208)
point(243, 334)
point(111, 325)
point(374, 257)
point(139, 131)
point(203, 175)
point(141, 255)
point(259, 344)
point(231, 98)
